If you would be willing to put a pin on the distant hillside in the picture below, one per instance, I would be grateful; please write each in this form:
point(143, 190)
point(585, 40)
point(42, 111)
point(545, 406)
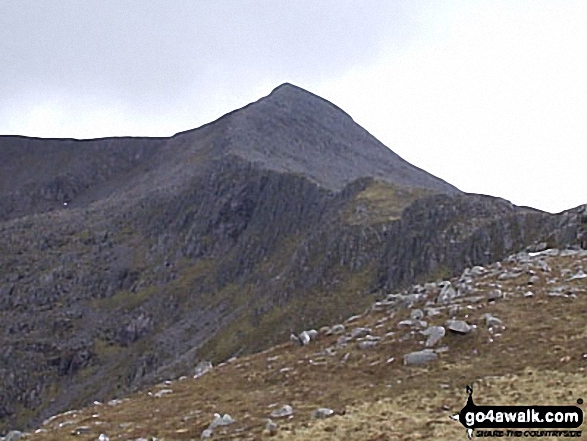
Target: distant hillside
point(213, 243)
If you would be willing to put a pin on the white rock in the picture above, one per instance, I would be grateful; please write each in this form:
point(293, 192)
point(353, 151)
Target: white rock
point(202, 368)
point(322, 412)
point(282, 412)
point(162, 392)
point(304, 338)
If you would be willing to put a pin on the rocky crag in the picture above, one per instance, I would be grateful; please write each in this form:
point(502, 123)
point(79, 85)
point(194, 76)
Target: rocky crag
point(128, 260)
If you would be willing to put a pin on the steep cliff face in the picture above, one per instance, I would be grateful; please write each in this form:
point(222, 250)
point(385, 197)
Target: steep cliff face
point(215, 242)
point(39, 175)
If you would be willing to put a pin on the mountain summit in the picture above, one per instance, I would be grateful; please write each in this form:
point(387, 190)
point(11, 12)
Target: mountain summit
point(295, 131)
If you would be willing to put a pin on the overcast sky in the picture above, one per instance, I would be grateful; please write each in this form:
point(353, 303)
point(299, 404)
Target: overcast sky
point(490, 96)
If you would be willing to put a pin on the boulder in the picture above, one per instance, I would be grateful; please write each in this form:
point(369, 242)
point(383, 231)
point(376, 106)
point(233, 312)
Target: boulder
point(434, 334)
point(336, 329)
point(490, 320)
point(218, 421)
point(322, 412)
point(368, 344)
point(494, 295)
point(413, 323)
point(304, 338)
point(360, 332)
point(447, 293)
point(458, 326)
point(13, 435)
point(201, 368)
point(477, 271)
point(282, 412)
point(580, 275)
point(271, 428)
point(420, 357)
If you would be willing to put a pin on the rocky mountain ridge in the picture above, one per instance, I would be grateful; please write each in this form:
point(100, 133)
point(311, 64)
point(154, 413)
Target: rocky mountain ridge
point(214, 243)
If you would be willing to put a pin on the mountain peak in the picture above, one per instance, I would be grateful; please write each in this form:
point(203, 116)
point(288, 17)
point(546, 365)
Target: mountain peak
point(293, 130)
point(288, 86)
point(289, 94)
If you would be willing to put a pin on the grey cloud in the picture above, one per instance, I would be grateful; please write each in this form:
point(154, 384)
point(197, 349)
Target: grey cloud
point(162, 53)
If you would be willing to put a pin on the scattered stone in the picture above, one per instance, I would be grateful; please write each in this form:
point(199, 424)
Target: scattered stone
point(271, 428)
point(458, 326)
point(336, 329)
point(453, 310)
point(343, 340)
point(313, 334)
point(80, 430)
point(360, 332)
point(206, 434)
point(413, 323)
point(432, 312)
point(471, 299)
point(202, 368)
point(13, 435)
point(367, 344)
point(353, 318)
point(325, 330)
point(447, 294)
point(114, 402)
point(330, 351)
point(417, 314)
point(420, 357)
point(381, 321)
point(477, 271)
point(221, 421)
point(162, 392)
point(412, 299)
point(490, 320)
point(103, 437)
point(509, 276)
point(295, 339)
point(435, 334)
point(382, 305)
point(528, 294)
point(322, 412)
point(304, 338)
point(494, 295)
point(580, 275)
point(282, 412)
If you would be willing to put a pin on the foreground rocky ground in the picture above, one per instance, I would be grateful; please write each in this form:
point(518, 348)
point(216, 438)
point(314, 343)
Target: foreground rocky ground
point(515, 330)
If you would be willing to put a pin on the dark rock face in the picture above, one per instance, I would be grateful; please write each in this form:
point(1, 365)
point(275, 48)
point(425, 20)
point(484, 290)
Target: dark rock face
point(215, 242)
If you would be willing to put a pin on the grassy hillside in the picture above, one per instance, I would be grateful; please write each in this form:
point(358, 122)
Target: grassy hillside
point(536, 356)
